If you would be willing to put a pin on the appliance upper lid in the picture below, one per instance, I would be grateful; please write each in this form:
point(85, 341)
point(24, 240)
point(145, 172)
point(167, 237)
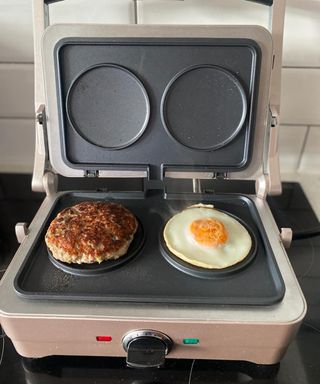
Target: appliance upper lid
point(145, 100)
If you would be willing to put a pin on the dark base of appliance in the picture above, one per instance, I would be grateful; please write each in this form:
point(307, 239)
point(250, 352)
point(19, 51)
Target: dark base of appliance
point(201, 371)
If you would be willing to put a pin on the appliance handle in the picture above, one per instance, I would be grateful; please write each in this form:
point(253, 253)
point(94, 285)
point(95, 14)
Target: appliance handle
point(51, 1)
point(263, 2)
point(269, 3)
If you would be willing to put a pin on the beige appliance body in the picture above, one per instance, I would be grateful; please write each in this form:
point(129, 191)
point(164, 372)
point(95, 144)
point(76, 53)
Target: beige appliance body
point(39, 328)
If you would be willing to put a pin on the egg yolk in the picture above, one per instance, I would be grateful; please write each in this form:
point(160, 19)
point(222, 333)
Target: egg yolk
point(209, 232)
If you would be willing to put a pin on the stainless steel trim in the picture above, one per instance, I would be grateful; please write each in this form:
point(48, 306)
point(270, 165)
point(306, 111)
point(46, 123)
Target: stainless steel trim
point(40, 22)
point(21, 230)
point(123, 173)
point(189, 175)
point(195, 175)
point(277, 16)
point(286, 235)
point(41, 150)
point(196, 185)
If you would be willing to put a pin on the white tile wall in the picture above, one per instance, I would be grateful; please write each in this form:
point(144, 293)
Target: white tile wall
point(302, 34)
point(17, 145)
point(310, 160)
point(203, 12)
point(300, 82)
point(300, 96)
point(89, 11)
point(291, 144)
point(16, 43)
point(17, 89)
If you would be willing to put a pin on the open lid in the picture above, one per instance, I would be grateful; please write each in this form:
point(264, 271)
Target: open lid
point(145, 101)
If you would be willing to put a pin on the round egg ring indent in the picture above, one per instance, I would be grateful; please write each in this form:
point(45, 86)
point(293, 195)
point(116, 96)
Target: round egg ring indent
point(204, 107)
point(210, 273)
point(108, 106)
point(86, 269)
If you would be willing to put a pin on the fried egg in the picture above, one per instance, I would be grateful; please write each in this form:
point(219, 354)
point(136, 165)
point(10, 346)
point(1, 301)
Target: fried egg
point(206, 237)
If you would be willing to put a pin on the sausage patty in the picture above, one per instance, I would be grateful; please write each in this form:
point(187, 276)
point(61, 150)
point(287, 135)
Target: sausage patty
point(91, 231)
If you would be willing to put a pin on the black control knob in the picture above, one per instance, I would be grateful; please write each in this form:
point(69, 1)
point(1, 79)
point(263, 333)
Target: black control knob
point(146, 348)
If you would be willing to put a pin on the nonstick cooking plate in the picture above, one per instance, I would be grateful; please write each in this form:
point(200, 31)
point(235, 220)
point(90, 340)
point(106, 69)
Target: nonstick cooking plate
point(108, 106)
point(204, 107)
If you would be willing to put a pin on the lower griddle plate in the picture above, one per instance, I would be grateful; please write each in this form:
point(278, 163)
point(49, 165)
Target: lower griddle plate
point(148, 277)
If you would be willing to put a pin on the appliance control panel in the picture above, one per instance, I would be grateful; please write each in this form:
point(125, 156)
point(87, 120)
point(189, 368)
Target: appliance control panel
point(146, 348)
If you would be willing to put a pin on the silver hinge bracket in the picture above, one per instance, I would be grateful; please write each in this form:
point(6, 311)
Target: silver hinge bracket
point(286, 237)
point(196, 178)
point(91, 173)
point(40, 115)
point(22, 231)
point(274, 120)
point(273, 166)
point(50, 183)
point(43, 179)
point(220, 176)
point(269, 183)
point(196, 183)
point(262, 186)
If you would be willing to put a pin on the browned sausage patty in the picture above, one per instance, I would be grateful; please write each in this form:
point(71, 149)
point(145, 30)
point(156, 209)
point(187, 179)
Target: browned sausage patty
point(91, 231)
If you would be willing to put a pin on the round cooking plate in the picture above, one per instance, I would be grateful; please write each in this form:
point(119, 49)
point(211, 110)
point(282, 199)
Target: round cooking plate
point(207, 273)
point(204, 107)
point(105, 266)
point(108, 106)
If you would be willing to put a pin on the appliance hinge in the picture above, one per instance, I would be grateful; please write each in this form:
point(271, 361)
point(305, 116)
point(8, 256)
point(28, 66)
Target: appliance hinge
point(274, 119)
point(273, 167)
point(91, 173)
point(50, 183)
point(196, 179)
point(286, 237)
point(43, 179)
point(217, 176)
point(22, 231)
point(269, 183)
point(221, 176)
point(262, 186)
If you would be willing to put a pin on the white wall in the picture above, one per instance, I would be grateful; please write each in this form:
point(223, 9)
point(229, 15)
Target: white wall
point(300, 116)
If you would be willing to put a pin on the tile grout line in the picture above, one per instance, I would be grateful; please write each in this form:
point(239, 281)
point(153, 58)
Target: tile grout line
point(16, 63)
point(303, 147)
point(16, 118)
point(298, 124)
point(281, 123)
point(300, 67)
point(283, 67)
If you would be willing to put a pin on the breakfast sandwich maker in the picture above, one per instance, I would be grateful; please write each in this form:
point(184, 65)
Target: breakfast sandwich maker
point(173, 108)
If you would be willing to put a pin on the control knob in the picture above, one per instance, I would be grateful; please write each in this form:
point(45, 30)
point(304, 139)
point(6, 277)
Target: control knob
point(146, 348)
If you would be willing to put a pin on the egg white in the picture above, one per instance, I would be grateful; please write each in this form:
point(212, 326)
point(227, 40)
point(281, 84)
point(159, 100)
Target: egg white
point(181, 242)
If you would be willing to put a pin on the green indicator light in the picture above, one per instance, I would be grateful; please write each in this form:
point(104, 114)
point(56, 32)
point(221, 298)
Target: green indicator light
point(191, 341)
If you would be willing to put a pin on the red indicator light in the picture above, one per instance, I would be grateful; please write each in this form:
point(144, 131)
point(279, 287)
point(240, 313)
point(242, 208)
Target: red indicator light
point(104, 338)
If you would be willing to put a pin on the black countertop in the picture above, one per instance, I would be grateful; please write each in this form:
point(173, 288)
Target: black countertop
point(300, 365)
